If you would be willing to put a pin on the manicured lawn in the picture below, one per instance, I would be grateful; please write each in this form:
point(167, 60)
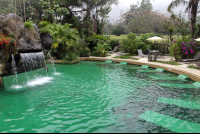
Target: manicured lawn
point(120, 37)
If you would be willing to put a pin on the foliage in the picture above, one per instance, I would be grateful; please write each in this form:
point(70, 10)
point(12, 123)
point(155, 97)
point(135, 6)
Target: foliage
point(65, 40)
point(142, 19)
point(191, 7)
point(29, 24)
point(130, 44)
point(118, 30)
point(126, 57)
point(82, 47)
point(113, 43)
point(144, 43)
point(168, 62)
point(94, 39)
point(193, 67)
point(184, 47)
point(7, 45)
point(102, 49)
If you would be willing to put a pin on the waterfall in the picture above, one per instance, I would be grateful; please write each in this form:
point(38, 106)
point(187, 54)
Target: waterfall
point(33, 61)
point(34, 65)
point(14, 69)
point(52, 62)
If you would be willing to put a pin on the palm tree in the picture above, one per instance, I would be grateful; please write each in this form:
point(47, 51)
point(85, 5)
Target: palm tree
point(192, 7)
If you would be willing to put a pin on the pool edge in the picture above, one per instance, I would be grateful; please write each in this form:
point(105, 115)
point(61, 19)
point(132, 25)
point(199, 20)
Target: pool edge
point(169, 68)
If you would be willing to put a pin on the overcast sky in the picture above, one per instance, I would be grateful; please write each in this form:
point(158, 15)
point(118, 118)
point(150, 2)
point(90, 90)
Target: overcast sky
point(124, 5)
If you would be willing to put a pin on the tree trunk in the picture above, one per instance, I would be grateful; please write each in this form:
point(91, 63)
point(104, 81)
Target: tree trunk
point(88, 22)
point(20, 8)
point(24, 11)
point(193, 17)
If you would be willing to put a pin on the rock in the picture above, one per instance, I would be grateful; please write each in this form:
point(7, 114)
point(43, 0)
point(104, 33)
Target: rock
point(1, 82)
point(46, 40)
point(1, 69)
point(1, 23)
point(28, 39)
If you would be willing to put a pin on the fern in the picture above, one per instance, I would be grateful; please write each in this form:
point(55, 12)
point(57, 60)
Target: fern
point(29, 24)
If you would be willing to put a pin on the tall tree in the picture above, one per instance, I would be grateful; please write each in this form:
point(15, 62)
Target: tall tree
point(192, 8)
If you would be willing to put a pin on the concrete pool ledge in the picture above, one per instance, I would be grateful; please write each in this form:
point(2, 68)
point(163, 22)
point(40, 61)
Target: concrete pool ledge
point(192, 73)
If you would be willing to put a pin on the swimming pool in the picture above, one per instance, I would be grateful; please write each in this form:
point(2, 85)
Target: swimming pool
point(92, 97)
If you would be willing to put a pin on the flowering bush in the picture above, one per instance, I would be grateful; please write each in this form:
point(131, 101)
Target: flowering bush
point(7, 44)
point(184, 48)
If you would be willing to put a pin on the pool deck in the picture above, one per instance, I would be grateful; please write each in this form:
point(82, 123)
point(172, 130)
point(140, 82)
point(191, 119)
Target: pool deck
point(194, 74)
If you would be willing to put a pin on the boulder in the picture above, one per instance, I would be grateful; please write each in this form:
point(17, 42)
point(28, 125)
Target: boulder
point(28, 39)
point(1, 69)
point(1, 22)
point(46, 40)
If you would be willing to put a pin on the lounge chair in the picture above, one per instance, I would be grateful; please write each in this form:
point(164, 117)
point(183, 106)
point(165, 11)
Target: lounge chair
point(114, 50)
point(196, 58)
point(140, 54)
point(150, 52)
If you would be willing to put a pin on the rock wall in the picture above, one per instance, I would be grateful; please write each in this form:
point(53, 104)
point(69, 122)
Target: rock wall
point(28, 40)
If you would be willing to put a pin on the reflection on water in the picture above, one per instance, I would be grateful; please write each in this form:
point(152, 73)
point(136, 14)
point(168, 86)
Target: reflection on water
point(90, 97)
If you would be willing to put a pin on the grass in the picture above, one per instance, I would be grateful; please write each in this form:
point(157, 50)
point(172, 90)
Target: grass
point(126, 57)
point(168, 62)
point(193, 67)
point(118, 37)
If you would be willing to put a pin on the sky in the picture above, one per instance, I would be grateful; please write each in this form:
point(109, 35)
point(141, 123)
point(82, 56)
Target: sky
point(124, 5)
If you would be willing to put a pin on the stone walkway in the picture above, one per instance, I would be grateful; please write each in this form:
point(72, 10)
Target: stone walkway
point(194, 74)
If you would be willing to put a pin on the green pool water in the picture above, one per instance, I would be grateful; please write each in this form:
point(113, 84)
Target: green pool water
point(93, 97)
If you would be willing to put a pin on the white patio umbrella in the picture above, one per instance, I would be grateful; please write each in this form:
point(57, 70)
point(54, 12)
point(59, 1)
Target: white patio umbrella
point(197, 39)
point(156, 38)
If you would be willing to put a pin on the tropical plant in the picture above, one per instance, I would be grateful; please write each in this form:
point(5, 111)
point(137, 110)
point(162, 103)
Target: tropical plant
point(102, 49)
point(65, 39)
point(192, 8)
point(130, 44)
point(29, 24)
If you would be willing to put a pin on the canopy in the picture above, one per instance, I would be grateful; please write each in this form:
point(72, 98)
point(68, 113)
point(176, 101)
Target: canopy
point(155, 38)
point(197, 39)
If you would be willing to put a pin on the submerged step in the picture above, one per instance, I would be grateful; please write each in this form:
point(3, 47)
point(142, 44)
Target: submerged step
point(180, 77)
point(175, 85)
point(153, 71)
point(123, 63)
point(171, 123)
point(183, 77)
point(145, 66)
point(109, 61)
point(180, 103)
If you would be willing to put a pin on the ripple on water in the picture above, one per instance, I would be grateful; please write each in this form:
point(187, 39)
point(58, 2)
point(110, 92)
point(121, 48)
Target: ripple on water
point(88, 98)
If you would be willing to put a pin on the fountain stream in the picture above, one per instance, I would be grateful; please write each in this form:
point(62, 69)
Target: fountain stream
point(52, 62)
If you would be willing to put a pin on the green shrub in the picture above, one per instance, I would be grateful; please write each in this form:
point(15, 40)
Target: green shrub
point(84, 52)
point(65, 40)
point(130, 44)
point(102, 49)
point(29, 24)
point(113, 43)
point(193, 67)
